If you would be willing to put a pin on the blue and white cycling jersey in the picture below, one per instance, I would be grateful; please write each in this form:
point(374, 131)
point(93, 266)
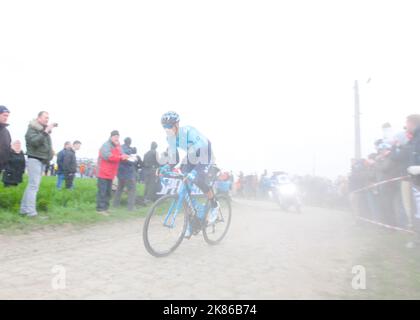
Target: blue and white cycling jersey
point(187, 138)
point(195, 144)
point(199, 155)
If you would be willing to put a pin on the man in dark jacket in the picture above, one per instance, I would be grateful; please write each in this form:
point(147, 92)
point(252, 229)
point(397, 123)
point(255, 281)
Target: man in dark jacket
point(413, 146)
point(151, 164)
point(413, 128)
point(70, 164)
point(15, 167)
point(127, 176)
point(40, 153)
point(60, 158)
point(5, 139)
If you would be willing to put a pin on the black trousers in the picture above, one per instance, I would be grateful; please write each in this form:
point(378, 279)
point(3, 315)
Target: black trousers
point(104, 194)
point(69, 178)
point(150, 181)
point(202, 173)
point(130, 184)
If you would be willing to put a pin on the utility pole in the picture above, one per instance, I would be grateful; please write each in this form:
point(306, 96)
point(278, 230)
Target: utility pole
point(357, 141)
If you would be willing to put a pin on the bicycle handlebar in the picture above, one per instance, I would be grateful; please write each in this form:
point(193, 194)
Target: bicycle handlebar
point(173, 175)
point(180, 176)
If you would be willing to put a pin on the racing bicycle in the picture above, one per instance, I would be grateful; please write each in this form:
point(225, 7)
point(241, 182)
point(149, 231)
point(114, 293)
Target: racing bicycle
point(166, 223)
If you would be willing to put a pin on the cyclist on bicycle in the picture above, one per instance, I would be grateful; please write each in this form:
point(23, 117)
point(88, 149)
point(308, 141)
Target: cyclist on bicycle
point(198, 160)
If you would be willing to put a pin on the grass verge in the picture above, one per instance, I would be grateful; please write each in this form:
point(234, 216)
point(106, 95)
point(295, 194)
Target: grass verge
point(59, 207)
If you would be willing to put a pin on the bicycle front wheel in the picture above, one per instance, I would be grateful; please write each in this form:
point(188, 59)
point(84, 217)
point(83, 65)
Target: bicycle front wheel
point(215, 232)
point(165, 226)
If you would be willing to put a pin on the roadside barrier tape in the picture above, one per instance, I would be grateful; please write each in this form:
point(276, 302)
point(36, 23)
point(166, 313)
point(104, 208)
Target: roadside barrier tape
point(382, 183)
point(386, 225)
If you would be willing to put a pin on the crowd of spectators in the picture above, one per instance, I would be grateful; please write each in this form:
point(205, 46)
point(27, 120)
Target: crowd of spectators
point(384, 187)
point(115, 162)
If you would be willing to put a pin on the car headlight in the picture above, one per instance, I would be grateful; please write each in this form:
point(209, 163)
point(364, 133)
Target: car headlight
point(288, 189)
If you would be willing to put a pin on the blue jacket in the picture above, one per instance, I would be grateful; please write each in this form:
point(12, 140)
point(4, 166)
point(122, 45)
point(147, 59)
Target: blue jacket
point(127, 169)
point(60, 161)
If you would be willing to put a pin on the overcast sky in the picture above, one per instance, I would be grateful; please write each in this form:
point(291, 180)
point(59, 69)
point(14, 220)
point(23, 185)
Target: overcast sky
point(270, 83)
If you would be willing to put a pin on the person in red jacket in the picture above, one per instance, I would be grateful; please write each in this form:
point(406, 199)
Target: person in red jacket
point(109, 159)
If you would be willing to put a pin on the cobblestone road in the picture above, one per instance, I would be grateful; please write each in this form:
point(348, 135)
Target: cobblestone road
point(268, 254)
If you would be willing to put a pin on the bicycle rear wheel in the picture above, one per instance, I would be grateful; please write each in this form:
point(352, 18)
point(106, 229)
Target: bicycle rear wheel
point(165, 226)
point(214, 233)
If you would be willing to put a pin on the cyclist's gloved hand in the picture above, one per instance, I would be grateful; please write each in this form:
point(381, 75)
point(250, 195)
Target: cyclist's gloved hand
point(192, 175)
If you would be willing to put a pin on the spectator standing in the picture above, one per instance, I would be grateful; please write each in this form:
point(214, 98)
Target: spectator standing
point(151, 164)
point(40, 152)
point(5, 138)
point(46, 169)
point(70, 164)
point(413, 161)
point(413, 129)
point(15, 167)
point(52, 169)
point(82, 170)
point(109, 159)
point(386, 169)
point(89, 170)
point(402, 199)
point(127, 176)
point(60, 158)
point(413, 146)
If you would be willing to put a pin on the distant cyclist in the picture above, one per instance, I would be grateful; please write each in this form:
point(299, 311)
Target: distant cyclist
point(198, 160)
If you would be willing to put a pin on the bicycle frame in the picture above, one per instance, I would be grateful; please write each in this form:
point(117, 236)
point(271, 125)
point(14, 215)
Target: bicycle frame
point(184, 195)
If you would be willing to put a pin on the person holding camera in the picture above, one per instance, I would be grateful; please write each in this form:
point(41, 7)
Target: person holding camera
point(40, 153)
